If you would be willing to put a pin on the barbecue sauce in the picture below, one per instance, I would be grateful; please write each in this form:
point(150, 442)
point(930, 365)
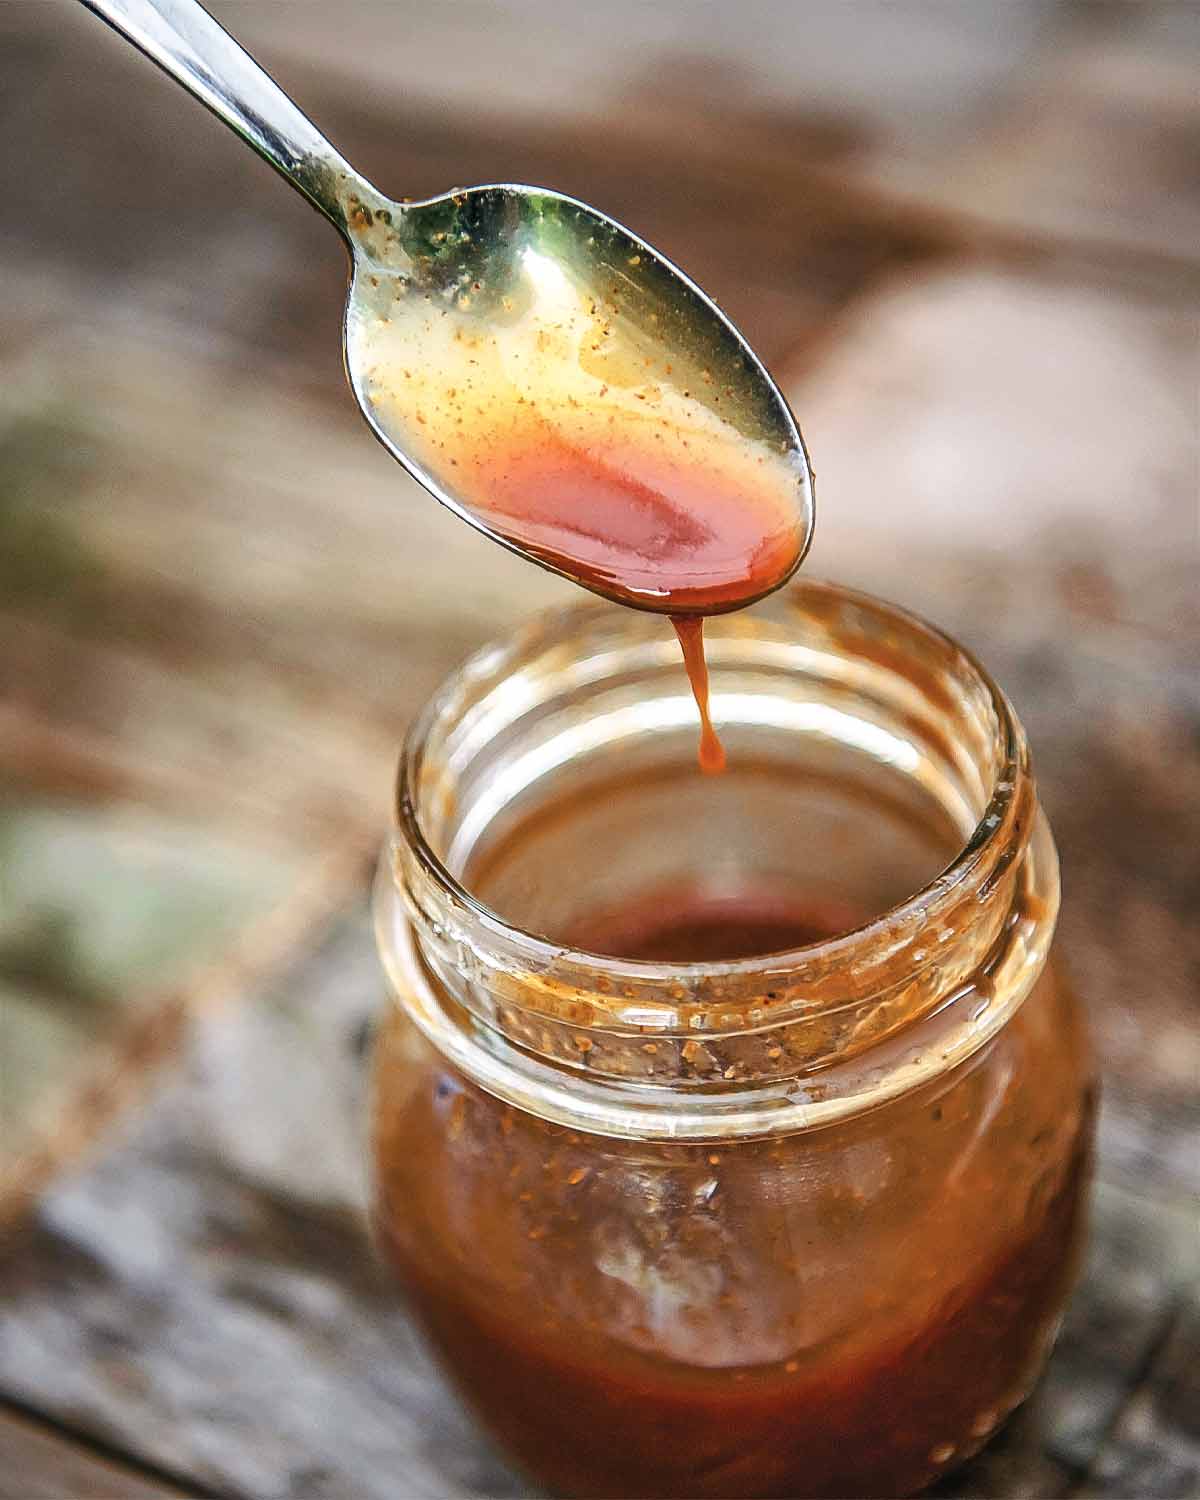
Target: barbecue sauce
point(690, 630)
point(560, 1340)
point(558, 429)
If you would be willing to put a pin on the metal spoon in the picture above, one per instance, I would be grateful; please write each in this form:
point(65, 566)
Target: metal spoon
point(543, 372)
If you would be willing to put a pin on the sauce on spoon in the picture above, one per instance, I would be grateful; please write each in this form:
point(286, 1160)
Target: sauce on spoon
point(552, 417)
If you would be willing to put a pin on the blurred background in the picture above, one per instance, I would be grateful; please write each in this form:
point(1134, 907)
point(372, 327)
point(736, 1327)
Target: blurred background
point(964, 234)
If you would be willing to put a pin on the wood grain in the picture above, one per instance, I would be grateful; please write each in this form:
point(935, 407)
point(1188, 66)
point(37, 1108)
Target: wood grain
point(43, 1463)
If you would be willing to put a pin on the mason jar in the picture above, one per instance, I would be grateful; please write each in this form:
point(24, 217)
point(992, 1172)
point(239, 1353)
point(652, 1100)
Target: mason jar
point(731, 1134)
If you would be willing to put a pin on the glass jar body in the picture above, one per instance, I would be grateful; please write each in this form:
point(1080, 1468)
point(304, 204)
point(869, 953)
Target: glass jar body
point(796, 1222)
point(844, 1311)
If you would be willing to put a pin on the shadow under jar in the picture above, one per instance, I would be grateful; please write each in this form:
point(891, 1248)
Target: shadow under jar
point(731, 1135)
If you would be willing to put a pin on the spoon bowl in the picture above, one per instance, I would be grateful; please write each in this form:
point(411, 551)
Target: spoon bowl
point(564, 388)
point(541, 370)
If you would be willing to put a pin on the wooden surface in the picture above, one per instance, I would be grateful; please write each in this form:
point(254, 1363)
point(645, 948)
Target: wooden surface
point(969, 250)
point(37, 1462)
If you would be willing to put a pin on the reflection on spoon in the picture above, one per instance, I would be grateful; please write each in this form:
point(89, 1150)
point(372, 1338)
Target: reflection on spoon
point(551, 415)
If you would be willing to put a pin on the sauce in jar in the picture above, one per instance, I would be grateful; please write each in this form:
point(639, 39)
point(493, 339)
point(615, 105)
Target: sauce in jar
point(727, 1345)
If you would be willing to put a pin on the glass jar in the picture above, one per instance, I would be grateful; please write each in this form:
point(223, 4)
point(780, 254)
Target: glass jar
point(709, 1224)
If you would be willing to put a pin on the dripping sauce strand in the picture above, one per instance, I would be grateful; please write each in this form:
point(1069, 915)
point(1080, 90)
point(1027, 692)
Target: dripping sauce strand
point(690, 630)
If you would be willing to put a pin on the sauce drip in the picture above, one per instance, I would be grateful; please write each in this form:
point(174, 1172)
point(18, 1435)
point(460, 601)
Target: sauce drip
point(690, 630)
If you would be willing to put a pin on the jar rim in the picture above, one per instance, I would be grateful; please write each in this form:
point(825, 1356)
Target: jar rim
point(985, 850)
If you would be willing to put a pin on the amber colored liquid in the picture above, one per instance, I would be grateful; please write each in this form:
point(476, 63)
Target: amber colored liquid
point(873, 1413)
point(640, 529)
point(869, 1426)
point(690, 630)
point(566, 434)
point(678, 924)
point(637, 527)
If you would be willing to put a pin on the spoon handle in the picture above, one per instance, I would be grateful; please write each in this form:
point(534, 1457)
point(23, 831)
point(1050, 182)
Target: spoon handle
point(186, 42)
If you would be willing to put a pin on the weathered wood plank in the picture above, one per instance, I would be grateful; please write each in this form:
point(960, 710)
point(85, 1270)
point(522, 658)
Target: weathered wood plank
point(39, 1463)
point(101, 910)
point(1154, 1448)
point(1144, 1254)
point(230, 1322)
point(108, 948)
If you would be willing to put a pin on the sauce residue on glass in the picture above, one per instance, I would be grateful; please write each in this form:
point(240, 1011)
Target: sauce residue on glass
point(553, 420)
